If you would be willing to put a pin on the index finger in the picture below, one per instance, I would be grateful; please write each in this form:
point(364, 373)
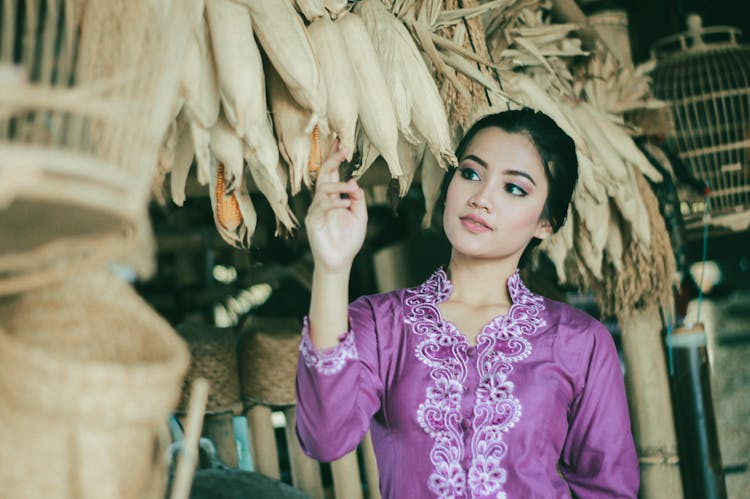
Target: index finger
point(329, 170)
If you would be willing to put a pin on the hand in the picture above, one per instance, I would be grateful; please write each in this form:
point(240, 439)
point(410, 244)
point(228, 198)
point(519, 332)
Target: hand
point(336, 226)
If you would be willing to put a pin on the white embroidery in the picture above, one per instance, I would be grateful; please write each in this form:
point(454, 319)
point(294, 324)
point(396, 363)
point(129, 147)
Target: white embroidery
point(496, 410)
point(329, 361)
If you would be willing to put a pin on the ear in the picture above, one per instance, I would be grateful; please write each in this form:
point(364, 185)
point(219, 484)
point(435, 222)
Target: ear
point(543, 229)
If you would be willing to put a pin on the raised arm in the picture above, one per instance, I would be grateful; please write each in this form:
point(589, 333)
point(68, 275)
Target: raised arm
point(336, 228)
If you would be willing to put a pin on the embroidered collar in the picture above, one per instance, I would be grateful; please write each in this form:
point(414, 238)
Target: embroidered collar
point(438, 288)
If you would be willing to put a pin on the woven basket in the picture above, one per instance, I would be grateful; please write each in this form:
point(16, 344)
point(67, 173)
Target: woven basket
point(87, 92)
point(213, 355)
point(268, 353)
point(88, 376)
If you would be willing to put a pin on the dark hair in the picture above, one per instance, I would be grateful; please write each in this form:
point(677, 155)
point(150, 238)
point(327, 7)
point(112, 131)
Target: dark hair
point(556, 150)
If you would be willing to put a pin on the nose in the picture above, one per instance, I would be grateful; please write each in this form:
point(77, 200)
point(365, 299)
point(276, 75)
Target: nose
point(480, 200)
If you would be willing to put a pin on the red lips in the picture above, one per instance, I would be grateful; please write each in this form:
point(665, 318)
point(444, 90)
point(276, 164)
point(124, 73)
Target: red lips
point(475, 223)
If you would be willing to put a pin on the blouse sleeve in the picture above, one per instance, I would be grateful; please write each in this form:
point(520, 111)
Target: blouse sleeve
point(339, 388)
point(599, 457)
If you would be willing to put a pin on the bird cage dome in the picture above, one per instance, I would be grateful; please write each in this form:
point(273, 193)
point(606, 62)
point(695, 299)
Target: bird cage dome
point(704, 75)
point(85, 87)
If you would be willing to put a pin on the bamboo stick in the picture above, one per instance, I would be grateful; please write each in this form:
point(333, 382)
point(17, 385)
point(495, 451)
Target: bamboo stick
point(189, 454)
point(650, 403)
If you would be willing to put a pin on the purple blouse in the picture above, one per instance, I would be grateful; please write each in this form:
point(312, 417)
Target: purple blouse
point(536, 409)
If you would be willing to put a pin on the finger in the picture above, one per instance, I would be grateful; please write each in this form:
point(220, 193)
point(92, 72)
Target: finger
point(337, 188)
point(359, 202)
point(329, 170)
point(329, 204)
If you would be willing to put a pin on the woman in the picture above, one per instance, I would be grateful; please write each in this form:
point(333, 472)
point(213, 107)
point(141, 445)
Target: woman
point(472, 385)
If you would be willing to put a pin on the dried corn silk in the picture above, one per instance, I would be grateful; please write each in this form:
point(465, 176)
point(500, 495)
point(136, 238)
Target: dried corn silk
point(431, 179)
point(227, 148)
point(285, 41)
point(375, 109)
point(240, 77)
point(290, 121)
point(338, 77)
point(183, 160)
point(629, 202)
point(200, 90)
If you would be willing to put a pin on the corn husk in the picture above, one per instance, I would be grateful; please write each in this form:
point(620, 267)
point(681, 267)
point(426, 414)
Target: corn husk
point(228, 149)
point(410, 156)
point(431, 180)
point(374, 106)
point(311, 9)
point(200, 90)
point(272, 183)
point(183, 160)
point(415, 96)
point(335, 7)
point(241, 79)
point(290, 121)
point(338, 76)
point(286, 43)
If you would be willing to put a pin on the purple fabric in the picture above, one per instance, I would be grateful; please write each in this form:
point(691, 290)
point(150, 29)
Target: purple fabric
point(536, 409)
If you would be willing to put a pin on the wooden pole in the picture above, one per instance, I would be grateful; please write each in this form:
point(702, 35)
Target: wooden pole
point(220, 429)
point(650, 403)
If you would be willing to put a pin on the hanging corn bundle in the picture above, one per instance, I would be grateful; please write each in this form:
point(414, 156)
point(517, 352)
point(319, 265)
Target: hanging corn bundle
point(374, 105)
point(339, 80)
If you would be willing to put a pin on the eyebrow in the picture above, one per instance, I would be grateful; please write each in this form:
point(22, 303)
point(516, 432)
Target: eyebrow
point(483, 163)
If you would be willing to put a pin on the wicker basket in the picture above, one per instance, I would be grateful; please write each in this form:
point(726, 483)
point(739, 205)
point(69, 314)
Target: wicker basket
point(88, 376)
point(268, 353)
point(87, 92)
point(213, 355)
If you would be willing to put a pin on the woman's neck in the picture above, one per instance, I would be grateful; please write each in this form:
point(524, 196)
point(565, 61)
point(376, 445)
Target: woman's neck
point(480, 282)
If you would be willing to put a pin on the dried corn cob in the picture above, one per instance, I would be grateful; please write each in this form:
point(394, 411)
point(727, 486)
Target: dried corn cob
point(315, 160)
point(374, 105)
point(228, 212)
point(241, 79)
point(338, 76)
point(234, 215)
point(285, 41)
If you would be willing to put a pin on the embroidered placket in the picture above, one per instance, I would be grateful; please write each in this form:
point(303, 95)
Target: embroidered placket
point(501, 343)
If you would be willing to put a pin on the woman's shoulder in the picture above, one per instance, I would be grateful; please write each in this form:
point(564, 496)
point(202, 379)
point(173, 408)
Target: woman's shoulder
point(573, 325)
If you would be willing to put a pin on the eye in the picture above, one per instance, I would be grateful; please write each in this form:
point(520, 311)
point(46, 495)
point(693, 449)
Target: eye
point(515, 190)
point(469, 173)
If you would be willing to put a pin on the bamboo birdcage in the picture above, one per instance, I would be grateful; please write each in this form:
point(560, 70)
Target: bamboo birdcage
point(704, 74)
point(85, 92)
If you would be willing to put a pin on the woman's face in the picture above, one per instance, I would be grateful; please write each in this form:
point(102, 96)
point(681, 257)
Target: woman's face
point(495, 200)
